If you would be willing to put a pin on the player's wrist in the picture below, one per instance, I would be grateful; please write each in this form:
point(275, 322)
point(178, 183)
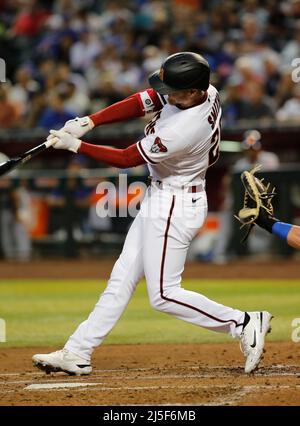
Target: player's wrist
point(86, 123)
point(281, 230)
point(76, 144)
point(265, 220)
point(91, 122)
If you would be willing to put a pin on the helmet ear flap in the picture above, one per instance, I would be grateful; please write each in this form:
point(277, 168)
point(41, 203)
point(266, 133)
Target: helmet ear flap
point(203, 82)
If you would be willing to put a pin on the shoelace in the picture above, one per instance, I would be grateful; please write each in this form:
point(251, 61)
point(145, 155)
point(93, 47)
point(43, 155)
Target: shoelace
point(60, 350)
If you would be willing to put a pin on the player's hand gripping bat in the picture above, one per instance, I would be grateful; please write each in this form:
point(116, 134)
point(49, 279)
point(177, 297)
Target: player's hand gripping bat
point(11, 164)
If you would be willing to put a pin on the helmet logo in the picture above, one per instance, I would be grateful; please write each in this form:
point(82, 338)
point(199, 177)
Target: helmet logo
point(161, 74)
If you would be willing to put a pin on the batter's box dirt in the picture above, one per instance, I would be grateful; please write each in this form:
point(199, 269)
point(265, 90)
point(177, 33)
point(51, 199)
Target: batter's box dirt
point(202, 374)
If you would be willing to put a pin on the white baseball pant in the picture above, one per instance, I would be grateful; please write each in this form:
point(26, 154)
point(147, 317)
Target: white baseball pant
point(155, 247)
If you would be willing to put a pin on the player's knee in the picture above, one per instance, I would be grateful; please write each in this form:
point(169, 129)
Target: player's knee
point(158, 303)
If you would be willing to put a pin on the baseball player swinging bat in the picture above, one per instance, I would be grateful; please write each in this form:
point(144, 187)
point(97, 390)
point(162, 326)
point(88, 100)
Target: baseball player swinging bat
point(180, 143)
point(11, 164)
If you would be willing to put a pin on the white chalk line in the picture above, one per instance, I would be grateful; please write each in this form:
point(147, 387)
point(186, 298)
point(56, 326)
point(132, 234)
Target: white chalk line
point(231, 399)
point(246, 388)
point(184, 367)
point(239, 391)
point(128, 378)
point(64, 385)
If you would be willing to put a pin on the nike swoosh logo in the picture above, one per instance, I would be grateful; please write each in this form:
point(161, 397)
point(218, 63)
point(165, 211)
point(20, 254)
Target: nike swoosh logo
point(195, 199)
point(254, 340)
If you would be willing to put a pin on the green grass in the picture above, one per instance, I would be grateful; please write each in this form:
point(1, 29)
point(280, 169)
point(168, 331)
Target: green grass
point(44, 312)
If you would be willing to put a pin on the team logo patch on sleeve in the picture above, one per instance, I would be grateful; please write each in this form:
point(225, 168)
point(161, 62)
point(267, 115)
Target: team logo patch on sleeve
point(158, 146)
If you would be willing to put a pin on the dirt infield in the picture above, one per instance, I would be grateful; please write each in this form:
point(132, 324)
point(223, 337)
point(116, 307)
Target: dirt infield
point(193, 374)
point(199, 374)
point(85, 269)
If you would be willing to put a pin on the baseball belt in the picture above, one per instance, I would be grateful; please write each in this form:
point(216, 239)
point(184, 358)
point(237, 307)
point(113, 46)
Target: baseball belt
point(188, 188)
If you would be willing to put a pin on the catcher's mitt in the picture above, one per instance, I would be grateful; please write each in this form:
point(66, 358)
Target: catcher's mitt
point(258, 197)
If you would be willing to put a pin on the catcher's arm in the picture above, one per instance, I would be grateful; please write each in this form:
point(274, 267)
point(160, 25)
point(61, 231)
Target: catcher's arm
point(258, 210)
point(293, 237)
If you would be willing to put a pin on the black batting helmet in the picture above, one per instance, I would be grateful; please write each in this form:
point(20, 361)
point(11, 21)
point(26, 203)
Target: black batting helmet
point(184, 70)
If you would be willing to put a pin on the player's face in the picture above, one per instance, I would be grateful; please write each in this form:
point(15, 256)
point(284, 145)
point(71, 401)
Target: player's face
point(184, 99)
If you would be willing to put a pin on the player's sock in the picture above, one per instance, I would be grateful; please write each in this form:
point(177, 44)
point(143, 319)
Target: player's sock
point(281, 229)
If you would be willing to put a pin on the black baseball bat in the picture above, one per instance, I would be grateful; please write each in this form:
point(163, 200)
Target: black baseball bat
point(11, 164)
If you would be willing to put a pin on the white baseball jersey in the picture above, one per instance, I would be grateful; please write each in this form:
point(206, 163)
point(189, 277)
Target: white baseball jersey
point(179, 145)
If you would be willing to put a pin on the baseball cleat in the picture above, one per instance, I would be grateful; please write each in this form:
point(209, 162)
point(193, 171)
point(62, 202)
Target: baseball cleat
point(62, 360)
point(253, 338)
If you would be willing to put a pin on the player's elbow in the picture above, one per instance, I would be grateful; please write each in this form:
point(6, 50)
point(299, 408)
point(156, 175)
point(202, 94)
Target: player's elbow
point(123, 166)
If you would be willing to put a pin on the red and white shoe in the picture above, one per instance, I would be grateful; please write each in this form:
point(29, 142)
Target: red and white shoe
point(62, 360)
point(253, 338)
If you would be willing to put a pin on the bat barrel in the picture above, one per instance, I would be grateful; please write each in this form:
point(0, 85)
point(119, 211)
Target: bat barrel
point(9, 165)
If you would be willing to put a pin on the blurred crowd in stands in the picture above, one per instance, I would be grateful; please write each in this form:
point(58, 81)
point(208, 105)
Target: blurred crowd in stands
point(67, 58)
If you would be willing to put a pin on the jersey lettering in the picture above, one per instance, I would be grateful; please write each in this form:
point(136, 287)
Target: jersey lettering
point(149, 129)
point(215, 112)
point(214, 151)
